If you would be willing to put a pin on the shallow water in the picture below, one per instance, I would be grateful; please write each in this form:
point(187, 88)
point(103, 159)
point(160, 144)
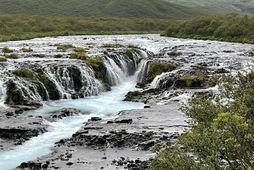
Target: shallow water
point(102, 105)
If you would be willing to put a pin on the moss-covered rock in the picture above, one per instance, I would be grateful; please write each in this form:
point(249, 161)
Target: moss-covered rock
point(157, 68)
point(24, 72)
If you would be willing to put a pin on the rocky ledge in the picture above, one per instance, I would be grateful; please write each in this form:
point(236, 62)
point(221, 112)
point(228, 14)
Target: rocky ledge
point(16, 129)
point(123, 142)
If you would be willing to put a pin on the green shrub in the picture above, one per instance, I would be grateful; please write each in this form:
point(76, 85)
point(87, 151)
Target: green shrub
point(24, 72)
point(7, 50)
point(221, 136)
point(12, 56)
point(231, 27)
point(26, 50)
point(3, 59)
point(190, 80)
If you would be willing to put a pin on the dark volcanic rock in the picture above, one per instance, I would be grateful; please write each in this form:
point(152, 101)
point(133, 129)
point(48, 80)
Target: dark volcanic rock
point(63, 113)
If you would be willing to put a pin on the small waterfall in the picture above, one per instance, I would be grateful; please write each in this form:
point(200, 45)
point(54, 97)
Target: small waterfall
point(62, 79)
point(157, 80)
point(74, 79)
point(143, 70)
point(2, 93)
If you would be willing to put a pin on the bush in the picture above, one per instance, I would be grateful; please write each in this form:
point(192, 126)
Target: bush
point(12, 56)
point(231, 27)
point(24, 72)
point(26, 50)
point(3, 59)
point(7, 50)
point(222, 133)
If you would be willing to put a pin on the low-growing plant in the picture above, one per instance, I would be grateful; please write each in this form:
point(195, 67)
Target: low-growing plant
point(64, 47)
point(79, 50)
point(12, 56)
point(26, 49)
point(95, 62)
point(24, 72)
point(78, 55)
point(158, 67)
point(7, 50)
point(3, 59)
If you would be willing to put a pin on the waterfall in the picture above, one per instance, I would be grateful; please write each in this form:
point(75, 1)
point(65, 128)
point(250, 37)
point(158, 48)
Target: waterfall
point(71, 79)
point(143, 70)
point(156, 81)
point(2, 93)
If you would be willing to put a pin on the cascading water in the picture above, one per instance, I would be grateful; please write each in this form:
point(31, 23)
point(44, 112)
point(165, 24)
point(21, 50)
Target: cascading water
point(106, 103)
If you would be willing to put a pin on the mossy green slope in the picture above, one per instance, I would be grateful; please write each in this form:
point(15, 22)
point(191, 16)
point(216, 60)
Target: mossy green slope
point(98, 8)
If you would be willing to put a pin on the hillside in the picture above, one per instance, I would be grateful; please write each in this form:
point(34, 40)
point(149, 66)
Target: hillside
point(98, 8)
point(218, 6)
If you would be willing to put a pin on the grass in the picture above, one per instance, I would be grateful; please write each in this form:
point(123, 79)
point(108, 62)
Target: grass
point(95, 62)
point(232, 27)
point(14, 27)
point(12, 56)
point(7, 50)
point(78, 55)
point(24, 72)
point(26, 49)
point(3, 59)
point(64, 47)
point(98, 8)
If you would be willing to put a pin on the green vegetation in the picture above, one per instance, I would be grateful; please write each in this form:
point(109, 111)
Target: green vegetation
point(19, 27)
point(189, 80)
point(218, 6)
point(158, 67)
point(7, 50)
point(12, 56)
point(64, 47)
point(235, 28)
point(24, 72)
point(79, 50)
point(26, 49)
point(95, 62)
point(3, 59)
point(112, 45)
point(78, 55)
point(98, 8)
point(222, 133)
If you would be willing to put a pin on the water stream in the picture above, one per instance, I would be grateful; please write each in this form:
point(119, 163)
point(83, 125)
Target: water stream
point(102, 105)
